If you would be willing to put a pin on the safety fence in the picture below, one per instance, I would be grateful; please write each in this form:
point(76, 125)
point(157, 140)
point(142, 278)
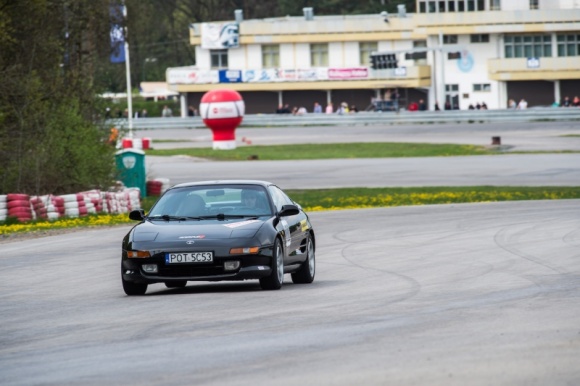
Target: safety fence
point(543, 114)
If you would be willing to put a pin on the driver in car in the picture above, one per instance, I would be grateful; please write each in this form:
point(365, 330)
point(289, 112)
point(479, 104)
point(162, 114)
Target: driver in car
point(250, 198)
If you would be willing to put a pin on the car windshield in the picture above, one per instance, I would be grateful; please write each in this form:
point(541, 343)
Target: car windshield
point(213, 201)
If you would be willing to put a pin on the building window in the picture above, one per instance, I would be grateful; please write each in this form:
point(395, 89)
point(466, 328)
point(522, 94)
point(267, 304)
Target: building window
point(568, 45)
point(479, 38)
point(365, 51)
point(319, 55)
point(432, 6)
point(528, 46)
point(219, 58)
point(270, 56)
point(420, 44)
point(534, 4)
point(495, 5)
point(449, 39)
point(481, 87)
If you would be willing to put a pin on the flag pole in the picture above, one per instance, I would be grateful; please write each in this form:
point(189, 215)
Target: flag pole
point(128, 75)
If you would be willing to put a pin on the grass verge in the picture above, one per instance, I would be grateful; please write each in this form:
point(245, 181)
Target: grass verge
point(329, 151)
point(336, 199)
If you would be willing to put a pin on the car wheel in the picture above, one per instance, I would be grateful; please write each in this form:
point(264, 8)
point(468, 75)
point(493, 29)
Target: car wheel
point(276, 278)
point(176, 284)
point(306, 272)
point(133, 289)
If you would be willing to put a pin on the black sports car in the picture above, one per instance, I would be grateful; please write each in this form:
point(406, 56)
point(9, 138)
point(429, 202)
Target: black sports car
point(219, 230)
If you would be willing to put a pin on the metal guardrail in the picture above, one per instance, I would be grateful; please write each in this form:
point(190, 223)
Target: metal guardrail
point(369, 118)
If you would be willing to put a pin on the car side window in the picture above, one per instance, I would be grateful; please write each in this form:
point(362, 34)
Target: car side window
point(279, 197)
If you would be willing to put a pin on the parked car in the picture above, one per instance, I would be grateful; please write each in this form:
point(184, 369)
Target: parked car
point(219, 230)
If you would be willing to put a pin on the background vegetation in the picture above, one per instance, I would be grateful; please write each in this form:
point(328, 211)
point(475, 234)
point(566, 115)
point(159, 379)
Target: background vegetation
point(49, 139)
point(54, 62)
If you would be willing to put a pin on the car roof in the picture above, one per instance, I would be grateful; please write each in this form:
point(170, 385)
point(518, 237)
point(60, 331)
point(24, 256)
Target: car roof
point(224, 182)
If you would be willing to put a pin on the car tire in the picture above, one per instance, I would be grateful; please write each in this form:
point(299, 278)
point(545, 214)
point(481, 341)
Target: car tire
point(134, 289)
point(276, 278)
point(305, 274)
point(176, 284)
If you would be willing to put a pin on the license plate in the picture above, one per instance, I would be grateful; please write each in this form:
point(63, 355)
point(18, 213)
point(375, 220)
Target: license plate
point(189, 257)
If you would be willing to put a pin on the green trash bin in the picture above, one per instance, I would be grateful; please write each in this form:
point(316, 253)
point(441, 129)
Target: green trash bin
point(131, 169)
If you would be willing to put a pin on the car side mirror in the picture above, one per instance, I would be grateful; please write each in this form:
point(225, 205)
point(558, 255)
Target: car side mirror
point(288, 210)
point(137, 215)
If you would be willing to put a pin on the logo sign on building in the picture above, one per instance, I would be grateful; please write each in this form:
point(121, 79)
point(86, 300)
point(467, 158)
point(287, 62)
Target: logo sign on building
point(465, 62)
point(216, 36)
point(230, 76)
point(533, 63)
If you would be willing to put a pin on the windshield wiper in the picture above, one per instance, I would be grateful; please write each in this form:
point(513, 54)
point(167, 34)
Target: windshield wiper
point(167, 217)
point(223, 216)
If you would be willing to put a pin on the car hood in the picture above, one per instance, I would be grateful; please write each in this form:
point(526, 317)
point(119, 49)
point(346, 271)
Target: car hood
point(166, 231)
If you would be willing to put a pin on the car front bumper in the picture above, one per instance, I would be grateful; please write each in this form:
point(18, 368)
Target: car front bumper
point(251, 267)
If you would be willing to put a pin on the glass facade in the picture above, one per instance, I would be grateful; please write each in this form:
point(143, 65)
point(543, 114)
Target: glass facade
point(431, 6)
point(365, 51)
point(270, 56)
point(479, 38)
point(319, 55)
point(568, 45)
point(528, 46)
point(219, 58)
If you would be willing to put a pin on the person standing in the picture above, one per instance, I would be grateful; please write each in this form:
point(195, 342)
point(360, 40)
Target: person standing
point(166, 112)
point(422, 105)
point(317, 108)
point(329, 108)
point(523, 104)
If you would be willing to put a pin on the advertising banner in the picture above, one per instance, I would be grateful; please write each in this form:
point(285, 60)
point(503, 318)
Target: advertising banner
point(348, 73)
point(267, 75)
point(191, 76)
point(215, 36)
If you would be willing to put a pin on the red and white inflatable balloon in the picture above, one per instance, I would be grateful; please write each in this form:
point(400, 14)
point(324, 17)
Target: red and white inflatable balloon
point(222, 111)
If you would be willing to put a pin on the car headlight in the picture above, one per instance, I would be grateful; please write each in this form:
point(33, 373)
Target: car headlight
point(138, 254)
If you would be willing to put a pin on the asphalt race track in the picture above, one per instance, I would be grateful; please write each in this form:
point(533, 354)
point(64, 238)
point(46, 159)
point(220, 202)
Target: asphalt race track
point(466, 294)
point(471, 294)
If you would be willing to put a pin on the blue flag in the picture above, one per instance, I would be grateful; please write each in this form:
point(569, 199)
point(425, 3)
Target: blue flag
point(117, 33)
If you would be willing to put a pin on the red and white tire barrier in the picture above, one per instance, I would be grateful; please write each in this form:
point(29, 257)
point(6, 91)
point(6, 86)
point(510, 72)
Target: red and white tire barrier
point(25, 208)
point(136, 143)
point(18, 206)
point(3, 209)
point(157, 187)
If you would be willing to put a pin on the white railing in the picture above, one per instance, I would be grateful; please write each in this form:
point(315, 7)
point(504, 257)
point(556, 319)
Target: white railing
point(371, 118)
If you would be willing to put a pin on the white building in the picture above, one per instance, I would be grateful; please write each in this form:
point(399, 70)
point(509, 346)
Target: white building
point(508, 49)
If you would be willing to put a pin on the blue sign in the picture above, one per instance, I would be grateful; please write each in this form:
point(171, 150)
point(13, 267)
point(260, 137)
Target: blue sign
point(533, 63)
point(230, 76)
point(465, 62)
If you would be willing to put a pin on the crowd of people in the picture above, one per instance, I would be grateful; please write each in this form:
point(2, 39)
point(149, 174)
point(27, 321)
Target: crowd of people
point(343, 108)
